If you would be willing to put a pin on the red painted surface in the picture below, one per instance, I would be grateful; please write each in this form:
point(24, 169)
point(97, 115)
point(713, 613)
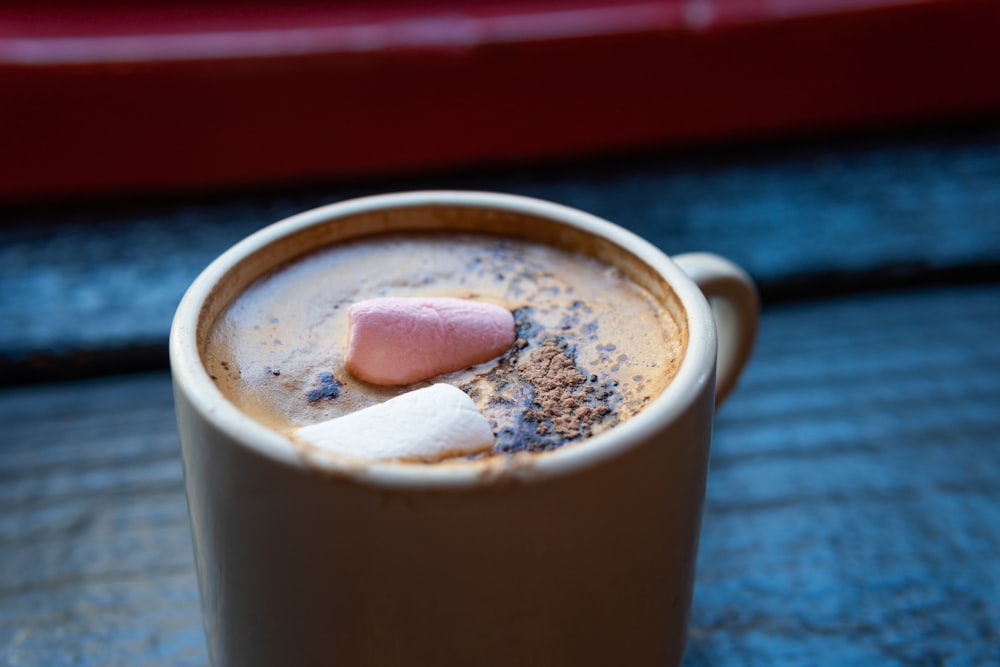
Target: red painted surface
point(109, 98)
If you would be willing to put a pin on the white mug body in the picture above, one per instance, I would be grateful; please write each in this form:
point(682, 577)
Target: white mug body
point(581, 556)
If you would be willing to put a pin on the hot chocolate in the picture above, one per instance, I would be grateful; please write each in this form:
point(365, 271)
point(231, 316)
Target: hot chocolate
point(592, 346)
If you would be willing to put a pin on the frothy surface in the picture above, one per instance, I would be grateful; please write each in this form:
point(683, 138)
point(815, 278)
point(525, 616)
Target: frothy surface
point(593, 347)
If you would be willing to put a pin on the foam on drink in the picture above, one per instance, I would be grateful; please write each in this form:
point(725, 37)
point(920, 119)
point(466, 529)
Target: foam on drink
point(592, 347)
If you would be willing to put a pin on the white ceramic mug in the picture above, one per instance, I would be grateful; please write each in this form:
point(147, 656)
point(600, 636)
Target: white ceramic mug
point(584, 556)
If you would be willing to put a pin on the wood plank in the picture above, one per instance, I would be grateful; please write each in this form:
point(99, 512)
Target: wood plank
point(852, 513)
point(79, 279)
point(244, 94)
point(852, 517)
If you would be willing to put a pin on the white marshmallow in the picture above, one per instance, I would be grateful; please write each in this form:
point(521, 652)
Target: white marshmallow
point(430, 423)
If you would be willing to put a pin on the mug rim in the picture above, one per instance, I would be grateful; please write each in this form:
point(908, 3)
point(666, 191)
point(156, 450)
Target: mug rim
point(697, 367)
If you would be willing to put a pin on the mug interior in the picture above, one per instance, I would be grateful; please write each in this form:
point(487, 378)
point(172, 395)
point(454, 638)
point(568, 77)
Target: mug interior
point(454, 212)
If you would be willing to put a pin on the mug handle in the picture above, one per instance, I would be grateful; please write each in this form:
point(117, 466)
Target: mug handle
point(736, 306)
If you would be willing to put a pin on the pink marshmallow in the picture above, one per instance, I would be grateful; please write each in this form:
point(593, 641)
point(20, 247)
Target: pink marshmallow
point(400, 340)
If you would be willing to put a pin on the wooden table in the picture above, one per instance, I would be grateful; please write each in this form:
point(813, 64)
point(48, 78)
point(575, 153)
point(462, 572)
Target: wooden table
point(853, 511)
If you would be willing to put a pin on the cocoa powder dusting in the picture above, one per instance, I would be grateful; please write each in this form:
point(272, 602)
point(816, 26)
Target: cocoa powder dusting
point(557, 382)
point(541, 394)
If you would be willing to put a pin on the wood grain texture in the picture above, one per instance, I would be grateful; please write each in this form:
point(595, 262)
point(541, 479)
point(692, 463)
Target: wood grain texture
point(853, 510)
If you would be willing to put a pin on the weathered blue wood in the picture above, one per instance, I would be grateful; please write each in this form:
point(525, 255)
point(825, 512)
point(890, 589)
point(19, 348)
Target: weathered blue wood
point(107, 275)
point(852, 517)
